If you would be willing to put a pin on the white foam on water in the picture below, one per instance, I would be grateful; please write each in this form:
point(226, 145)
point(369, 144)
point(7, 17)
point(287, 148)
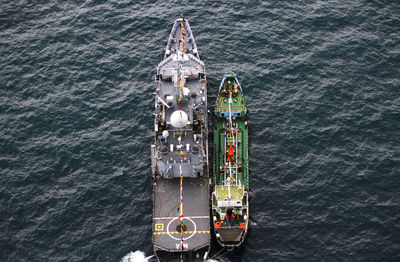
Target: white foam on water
point(137, 256)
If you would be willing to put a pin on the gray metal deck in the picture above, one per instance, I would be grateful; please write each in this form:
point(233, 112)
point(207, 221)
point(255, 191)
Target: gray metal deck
point(195, 207)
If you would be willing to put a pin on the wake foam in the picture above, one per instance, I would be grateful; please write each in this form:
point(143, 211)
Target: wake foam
point(137, 256)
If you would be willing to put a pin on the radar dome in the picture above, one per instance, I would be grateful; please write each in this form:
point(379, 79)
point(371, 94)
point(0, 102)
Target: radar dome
point(179, 118)
point(165, 133)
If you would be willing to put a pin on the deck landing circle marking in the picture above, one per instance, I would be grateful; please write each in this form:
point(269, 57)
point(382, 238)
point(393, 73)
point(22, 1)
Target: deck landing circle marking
point(185, 238)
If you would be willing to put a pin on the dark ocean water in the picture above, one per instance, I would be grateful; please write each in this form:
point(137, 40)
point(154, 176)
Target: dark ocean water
point(323, 86)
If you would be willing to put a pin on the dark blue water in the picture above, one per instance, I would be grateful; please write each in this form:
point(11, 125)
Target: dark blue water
point(323, 86)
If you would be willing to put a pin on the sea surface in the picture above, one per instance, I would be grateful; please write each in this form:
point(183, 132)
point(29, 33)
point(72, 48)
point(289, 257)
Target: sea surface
point(322, 82)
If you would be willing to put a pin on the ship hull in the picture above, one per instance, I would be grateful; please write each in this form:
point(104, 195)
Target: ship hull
point(230, 198)
point(179, 154)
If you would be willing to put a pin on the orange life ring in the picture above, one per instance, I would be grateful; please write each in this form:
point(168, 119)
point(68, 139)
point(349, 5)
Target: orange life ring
point(217, 224)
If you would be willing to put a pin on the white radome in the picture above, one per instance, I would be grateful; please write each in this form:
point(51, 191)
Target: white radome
point(179, 119)
point(165, 133)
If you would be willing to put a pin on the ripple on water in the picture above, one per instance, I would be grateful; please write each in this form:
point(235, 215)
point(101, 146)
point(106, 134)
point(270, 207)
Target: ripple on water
point(76, 117)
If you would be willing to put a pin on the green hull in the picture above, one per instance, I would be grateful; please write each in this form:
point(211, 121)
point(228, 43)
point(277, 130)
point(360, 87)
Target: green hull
point(231, 171)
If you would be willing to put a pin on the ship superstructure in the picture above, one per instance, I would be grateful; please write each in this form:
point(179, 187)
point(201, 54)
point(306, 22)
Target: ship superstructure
point(179, 155)
point(230, 199)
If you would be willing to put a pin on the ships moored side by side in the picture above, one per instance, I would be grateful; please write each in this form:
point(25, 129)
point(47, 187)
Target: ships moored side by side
point(230, 197)
point(179, 155)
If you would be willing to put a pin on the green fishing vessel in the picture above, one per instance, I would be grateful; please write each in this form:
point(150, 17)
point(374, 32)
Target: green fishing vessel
point(230, 197)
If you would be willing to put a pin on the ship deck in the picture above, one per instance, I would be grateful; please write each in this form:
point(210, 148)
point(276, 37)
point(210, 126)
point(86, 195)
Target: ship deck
point(196, 213)
point(219, 144)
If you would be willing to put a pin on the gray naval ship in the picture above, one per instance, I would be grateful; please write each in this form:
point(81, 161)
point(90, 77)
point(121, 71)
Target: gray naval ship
point(179, 155)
